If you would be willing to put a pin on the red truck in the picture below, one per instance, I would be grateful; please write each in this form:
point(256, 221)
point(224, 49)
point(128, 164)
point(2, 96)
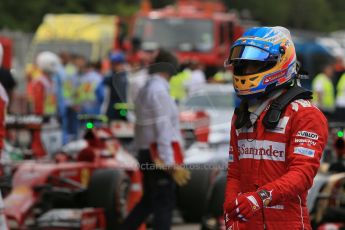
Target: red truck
point(195, 30)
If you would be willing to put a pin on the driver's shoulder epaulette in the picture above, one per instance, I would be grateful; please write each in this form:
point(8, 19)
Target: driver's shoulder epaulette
point(295, 95)
point(300, 104)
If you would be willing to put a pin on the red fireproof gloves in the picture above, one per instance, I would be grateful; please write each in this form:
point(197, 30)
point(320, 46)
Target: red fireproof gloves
point(244, 206)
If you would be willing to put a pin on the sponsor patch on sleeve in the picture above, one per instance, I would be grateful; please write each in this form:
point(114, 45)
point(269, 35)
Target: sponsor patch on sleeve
point(302, 141)
point(307, 134)
point(304, 103)
point(304, 151)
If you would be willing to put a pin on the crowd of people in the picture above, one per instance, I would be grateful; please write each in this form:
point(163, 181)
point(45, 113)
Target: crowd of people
point(329, 89)
point(67, 85)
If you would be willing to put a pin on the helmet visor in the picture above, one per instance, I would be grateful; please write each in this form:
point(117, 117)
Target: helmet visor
point(248, 53)
point(248, 67)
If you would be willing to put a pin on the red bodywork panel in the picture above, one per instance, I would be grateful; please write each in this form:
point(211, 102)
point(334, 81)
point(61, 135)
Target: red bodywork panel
point(7, 46)
point(198, 122)
point(101, 153)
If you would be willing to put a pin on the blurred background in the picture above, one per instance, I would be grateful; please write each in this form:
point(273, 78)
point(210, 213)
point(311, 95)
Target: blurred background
point(114, 42)
point(312, 20)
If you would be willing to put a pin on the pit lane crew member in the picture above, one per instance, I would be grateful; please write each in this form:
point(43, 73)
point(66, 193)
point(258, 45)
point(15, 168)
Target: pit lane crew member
point(3, 107)
point(157, 121)
point(4, 99)
point(44, 98)
point(277, 135)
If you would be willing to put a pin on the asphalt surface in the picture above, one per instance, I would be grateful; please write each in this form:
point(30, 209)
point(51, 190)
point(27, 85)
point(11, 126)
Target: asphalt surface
point(183, 227)
point(186, 227)
point(179, 225)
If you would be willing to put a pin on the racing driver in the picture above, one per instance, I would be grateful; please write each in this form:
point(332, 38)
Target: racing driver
point(277, 135)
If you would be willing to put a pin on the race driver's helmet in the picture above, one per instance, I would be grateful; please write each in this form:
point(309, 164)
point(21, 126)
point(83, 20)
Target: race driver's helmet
point(263, 59)
point(48, 62)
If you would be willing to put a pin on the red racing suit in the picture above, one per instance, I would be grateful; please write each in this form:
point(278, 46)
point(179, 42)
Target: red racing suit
point(43, 103)
point(283, 161)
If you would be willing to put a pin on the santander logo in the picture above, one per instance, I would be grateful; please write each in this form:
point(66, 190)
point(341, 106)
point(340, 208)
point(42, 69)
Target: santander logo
point(266, 150)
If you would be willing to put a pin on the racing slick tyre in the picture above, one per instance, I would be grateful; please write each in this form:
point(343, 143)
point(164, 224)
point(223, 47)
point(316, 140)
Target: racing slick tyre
point(194, 194)
point(215, 205)
point(214, 211)
point(108, 189)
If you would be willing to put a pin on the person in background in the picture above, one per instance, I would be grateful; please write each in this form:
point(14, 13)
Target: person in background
point(178, 83)
point(4, 100)
point(136, 81)
point(97, 66)
point(44, 98)
point(339, 67)
point(139, 73)
point(323, 89)
point(157, 124)
point(6, 79)
point(116, 84)
point(340, 99)
point(66, 74)
point(32, 72)
point(338, 166)
point(197, 78)
point(58, 79)
point(67, 63)
point(90, 89)
point(222, 76)
point(44, 90)
point(75, 66)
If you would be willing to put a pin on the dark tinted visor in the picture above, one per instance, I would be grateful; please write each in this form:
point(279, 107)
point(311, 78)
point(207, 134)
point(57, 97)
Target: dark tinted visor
point(248, 67)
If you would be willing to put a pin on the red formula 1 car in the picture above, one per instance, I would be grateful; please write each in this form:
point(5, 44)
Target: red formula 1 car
point(91, 189)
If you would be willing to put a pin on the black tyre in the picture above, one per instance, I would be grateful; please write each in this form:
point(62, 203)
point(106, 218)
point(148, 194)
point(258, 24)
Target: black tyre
point(192, 198)
point(215, 204)
point(108, 189)
point(215, 207)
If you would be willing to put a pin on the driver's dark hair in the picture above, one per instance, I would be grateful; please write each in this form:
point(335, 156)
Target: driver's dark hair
point(165, 62)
